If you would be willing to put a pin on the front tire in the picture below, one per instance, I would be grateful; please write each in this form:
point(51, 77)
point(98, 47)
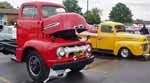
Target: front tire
point(36, 67)
point(125, 53)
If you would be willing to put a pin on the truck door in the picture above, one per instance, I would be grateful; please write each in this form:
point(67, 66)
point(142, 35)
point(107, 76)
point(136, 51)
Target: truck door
point(105, 39)
point(28, 24)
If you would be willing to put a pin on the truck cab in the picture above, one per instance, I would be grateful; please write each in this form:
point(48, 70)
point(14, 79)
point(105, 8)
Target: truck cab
point(46, 40)
point(112, 38)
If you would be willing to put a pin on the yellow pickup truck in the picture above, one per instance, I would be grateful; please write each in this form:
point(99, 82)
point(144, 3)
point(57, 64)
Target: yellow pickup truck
point(111, 37)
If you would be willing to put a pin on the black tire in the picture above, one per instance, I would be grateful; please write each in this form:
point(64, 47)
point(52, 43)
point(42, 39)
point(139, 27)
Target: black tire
point(125, 53)
point(36, 67)
point(77, 69)
point(5, 52)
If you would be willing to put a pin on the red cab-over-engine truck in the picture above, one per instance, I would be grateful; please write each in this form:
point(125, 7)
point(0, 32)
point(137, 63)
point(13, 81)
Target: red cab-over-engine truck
point(46, 39)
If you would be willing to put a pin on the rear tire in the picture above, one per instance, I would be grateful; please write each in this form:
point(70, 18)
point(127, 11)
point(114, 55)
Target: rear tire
point(125, 53)
point(36, 67)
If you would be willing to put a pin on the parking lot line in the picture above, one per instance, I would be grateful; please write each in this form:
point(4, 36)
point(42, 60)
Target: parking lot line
point(4, 79)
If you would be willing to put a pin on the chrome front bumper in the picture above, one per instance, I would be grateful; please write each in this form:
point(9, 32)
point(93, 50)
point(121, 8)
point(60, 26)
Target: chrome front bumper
point(147, 56)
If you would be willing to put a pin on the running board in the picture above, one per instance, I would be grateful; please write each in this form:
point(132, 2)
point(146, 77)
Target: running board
point(103, 51)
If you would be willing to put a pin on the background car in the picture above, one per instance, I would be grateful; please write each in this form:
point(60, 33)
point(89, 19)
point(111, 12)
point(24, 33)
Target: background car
point(7, 32)
point(136, 31)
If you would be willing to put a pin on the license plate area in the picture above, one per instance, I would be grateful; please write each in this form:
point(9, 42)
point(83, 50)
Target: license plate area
point(77, 54)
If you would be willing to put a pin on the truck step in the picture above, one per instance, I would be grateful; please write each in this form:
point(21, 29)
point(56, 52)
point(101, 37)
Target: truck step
point(13, 57)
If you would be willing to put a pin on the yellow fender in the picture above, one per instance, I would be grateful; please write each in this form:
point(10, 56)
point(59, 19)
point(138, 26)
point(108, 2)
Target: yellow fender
point(133, 46)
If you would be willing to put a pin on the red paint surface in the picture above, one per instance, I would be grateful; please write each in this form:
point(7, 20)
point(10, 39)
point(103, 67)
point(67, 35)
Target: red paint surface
point(31, 33)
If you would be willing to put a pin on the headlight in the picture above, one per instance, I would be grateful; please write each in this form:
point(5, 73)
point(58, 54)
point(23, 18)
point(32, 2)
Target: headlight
point(61, 52)
point(89, 49)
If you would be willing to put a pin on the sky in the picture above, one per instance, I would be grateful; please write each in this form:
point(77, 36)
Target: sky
point(139, 8)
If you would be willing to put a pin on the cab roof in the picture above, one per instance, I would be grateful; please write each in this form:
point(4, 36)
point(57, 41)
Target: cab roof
point(111, 23)
point(39, 3)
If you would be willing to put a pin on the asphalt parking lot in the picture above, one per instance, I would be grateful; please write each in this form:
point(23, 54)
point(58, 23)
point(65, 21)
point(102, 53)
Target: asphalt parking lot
point(105, 69)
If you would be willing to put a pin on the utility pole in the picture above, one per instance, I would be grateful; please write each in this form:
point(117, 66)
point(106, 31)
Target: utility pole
point(87, 5)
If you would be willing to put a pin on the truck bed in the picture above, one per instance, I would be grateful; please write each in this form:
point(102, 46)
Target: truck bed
point(8, 46)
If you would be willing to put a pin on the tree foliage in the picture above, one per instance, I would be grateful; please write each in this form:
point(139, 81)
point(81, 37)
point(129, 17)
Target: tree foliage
point(72, 6)
point(93, 16)
point(5, 5)
point(121, 13)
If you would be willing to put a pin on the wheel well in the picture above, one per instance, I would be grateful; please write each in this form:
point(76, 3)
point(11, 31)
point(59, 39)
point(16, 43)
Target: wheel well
point(126, 48)
point(122, 48)
point(26, 51)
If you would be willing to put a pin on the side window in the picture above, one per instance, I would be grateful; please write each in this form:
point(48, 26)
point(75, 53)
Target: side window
point(30, 12)
point(106, 29)
point(48, 11)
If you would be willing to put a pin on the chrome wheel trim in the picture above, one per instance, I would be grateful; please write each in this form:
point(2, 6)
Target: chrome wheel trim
point(125, 53)
point(34, 62)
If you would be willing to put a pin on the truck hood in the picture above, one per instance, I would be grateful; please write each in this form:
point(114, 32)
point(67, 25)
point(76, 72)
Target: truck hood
point(131, 37)
point(63, 22)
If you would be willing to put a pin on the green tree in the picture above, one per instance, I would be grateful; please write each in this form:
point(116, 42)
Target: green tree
point(5, 5)
point(121, 13)
point(72, 6)
point(93, 16)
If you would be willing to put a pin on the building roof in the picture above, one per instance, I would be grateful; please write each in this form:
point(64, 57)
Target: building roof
point(8, 11)
point(146, 22)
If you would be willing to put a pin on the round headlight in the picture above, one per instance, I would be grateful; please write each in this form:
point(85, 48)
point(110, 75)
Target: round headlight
point(89, 49)
point(61, 52)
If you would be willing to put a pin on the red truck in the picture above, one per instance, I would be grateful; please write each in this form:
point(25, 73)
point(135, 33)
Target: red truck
point(46, 39)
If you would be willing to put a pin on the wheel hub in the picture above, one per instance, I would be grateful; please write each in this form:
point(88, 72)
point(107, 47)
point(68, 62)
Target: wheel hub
point(124, 53)
point(34, 65)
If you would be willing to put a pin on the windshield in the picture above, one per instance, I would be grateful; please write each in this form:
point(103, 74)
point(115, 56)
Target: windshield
point(49, 11)
point(120, 28)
